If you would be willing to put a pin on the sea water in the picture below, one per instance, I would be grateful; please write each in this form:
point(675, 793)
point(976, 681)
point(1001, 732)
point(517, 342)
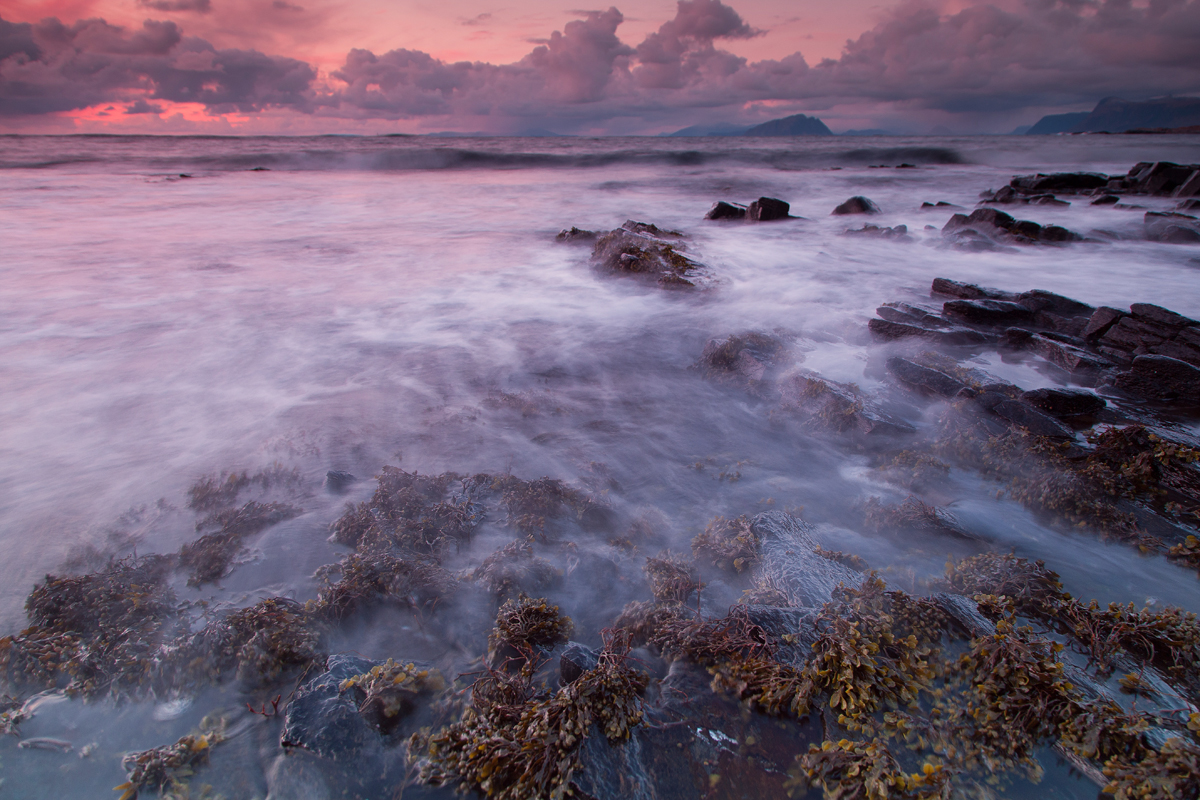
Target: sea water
point(180, 307)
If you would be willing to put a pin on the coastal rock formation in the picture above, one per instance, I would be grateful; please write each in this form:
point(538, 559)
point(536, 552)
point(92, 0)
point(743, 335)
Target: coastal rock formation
point(857, 205)
point(646, 252)
point(992, 226)
point(764, 209)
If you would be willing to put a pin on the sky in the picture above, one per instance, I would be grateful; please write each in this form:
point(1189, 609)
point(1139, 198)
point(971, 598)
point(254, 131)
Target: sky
point(395, 66)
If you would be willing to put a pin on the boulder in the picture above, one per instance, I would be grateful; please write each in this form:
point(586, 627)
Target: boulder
point(1171, 227)
point(1059, 182)
point(1064, 402)
point(723, 210)
point(645, 252)
point(876, 231)
point(337, 481)
point(1148, 312)
point(969, 291)
point(576, 235)
point(857, 205)
point(765, 209)
point(1001, 227)
point(1039, 300)
point(1161, 377)
point(1106, 200)
point(744, 360)
point(924, 379)
point(986, 312)
point(1101, 320)
point(325, 721)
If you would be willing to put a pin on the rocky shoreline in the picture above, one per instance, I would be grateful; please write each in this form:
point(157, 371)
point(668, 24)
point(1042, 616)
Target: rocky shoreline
point(759, 663)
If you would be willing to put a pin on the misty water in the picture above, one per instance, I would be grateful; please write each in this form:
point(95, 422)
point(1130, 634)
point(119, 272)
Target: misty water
point(371, 301)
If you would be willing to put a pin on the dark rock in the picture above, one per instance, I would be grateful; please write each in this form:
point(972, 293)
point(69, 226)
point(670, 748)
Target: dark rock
point(1067, 325)
point(723, 210)
point(1039, 300)
point(939, 204)
point(1189, 205)
point(1055, 233)
point(1101, 320)
point(1190, 187)
point(649, 229)
point(576, 235)
point(744, 360)
point(765, 209)
point(832, 406)
point(888, 330)
point(575, 660)
point(1031, 419)
point(1059, 182)
point(857, 205)
point(790, 563)
point(898, 232)
point(1006, 194)
point(323, 720)
point(1068, 356)
point(903, 312)
point(646, 255)
point(1046, 200)
point(969, 291)
point(924, 379)
point(1171, 227)
point(1064, 402)
point(1163, 316)
point(337, 481)
point(1161, 377)
point(1002, 227)
point(1106, 200)
point(986, 312)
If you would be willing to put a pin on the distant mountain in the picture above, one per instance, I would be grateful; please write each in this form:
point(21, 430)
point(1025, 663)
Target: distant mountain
point(796, 125)
point(1114, 115)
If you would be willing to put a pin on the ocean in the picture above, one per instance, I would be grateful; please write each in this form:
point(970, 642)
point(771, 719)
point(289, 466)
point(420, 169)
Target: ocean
point(176, 308)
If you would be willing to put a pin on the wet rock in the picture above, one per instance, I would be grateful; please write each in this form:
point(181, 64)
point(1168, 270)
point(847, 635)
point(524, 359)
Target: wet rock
point(829, 405)
point(969, 291)
point(910, 314)
point(898, 232)
point(986, 312)
point(323, 720)
point(338, 481)
point(889, 330)
point(646, 252)
point(1064, 402)
point(1101, 320)
point(1039, 300)
point(576, 235)
point(575, 660)
point(1034, 421)
point(765, 209)
point(939, 204)
point(925, 379)
point(1161, 377)
point(1069, 356)
point(723, 210)
point(789, 561)
point(746, 360)
point(1189, 205)
point(1148, 312)
point(1003, 228)
point(1106, 200)
point(857, 205)
point(791, 630)
point(1059, 182)
point(1172, 227)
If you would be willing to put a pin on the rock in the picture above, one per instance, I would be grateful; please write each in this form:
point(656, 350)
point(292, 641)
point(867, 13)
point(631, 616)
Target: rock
point(898, 232)
point(1031, 419)
point(765, 209)
point(1189, 205)
point(1190, 187)
point(1068, 356)
point(1171, 227)
point(903, 312)
point(649, 229)
point(744, 360)
point(986, 312)
point(723, 210)
point(1001, 227)
point(1055, 233)
point(1064, 402)
point(889, 330)
point(1039, 300)
point(925, 379)
point(789, 561)
point(1059, 182)
point(939, 204)
point(1101, 320)
point(1152, 313)
point(857, 205)
point(323, 720)
point(643, 252)
point(969, 291)
point(1161, 377)
point(337, 481)
point(829, 405)
point(575, 660)
point(1106, 200)
point(574, 235)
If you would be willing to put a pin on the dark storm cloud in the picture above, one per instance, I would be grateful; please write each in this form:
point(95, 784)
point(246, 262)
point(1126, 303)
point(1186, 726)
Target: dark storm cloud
point(49, 66)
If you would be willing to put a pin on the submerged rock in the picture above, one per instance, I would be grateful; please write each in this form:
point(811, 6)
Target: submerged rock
point(575, 235)
point(925, 379)
point(829, 405)
point(1001, 228)
point(644, 251)
point(789, 561)
point(747, 360)
point(857, 205)
point(323, 720)
point(1064, 402)
point(1172, 227)
point(765, 209)
point(723, 210)
point(898, 232)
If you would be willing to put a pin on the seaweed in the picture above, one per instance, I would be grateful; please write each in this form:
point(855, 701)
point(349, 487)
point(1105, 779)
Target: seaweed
point(212, 493)
point(370, 576)
point(672, 579)
point(388, 692)
point(915, 471)
point(516, 743)
point(12, 714)
point(530, 623)
point(912, 515)
point(729, 544)
point(1172, 773)
point(209, 556)
point(1187, 552)
point(854, 562)
point(514, 569)
point(530, 504)
point(846, 770)
point(165, 768)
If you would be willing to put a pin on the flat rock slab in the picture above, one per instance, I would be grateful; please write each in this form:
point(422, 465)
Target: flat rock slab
point(1161, 377)
point(925, 379)
point(1064, 402)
